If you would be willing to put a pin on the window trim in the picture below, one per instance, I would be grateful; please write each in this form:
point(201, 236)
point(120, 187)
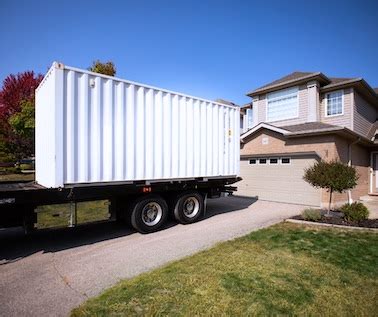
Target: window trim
point(266, 161)
point(326, 115)
point(267, 104)
point(285, 157)
point(277, 158)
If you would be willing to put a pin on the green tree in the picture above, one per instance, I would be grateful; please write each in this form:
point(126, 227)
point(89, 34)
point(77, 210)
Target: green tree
point(107, 68)
point(23, 122)
point(333, 176)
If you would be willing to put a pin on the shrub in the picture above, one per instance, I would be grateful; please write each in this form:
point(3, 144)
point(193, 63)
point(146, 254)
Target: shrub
point(311, 214)
point(25, 166)
point(355, 211)
point(334, 176)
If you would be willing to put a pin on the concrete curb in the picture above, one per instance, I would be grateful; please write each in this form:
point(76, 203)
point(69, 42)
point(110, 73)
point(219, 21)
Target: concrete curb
point(303, 222)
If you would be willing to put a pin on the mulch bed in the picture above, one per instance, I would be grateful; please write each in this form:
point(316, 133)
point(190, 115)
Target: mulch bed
point(369, 223)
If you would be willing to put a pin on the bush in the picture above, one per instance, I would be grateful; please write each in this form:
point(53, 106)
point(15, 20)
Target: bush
point(355, 211)
point(334, 176)
point(24, 166)
point(311, 214)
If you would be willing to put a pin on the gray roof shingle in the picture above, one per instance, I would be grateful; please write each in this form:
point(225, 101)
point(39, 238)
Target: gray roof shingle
point(287, 78)
point(310, 126)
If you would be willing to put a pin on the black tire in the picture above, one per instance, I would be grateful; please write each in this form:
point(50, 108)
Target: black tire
point(188, 207)
point(148, 213)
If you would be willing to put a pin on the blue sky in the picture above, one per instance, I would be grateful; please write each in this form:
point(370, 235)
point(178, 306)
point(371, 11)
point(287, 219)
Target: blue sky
point(210, 49)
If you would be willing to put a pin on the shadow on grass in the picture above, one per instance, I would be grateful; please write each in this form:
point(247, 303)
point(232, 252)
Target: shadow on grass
point(14, 245)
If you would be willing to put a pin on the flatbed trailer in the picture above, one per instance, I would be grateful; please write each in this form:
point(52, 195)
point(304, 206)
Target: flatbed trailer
point(137, 203)
point(150, 152)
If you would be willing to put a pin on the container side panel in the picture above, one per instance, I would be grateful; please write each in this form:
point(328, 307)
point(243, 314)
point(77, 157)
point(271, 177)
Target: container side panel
point(232, 132)
point(214, 141)
point(190, 137)
point(158, 141)
point(175, 136)
point(209, 139)
point(96, 150)
point(221, 140)
point(130, 132)
point(227, 141)
point(44, 132)
point(196, 138)
point(83, 115)
point(140, 133)
point(71, 136)
point(119, 132)
point(182, 137)
point(106, 131)
point(149, 135)
point(167, 135)
point(203, 138)
point(237, 143)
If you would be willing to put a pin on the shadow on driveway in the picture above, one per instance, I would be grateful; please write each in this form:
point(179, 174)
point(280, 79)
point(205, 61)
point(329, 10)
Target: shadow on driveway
point(14, 245)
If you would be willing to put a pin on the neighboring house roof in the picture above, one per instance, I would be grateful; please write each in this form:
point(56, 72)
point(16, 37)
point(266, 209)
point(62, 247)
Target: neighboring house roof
point(226, 102)
point(376, 90)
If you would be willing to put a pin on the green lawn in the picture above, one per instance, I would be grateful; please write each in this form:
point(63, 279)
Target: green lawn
point(17, 177)
point(285, 269)
point(59, 215)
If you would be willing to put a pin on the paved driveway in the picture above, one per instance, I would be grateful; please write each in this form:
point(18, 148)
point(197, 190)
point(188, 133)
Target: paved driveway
point(49, 273)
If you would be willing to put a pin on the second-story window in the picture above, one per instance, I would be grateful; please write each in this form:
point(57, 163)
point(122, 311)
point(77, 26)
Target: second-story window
point(334, 103)
point(282, 105)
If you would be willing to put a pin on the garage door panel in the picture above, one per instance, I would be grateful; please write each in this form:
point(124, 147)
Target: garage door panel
point(283, 183)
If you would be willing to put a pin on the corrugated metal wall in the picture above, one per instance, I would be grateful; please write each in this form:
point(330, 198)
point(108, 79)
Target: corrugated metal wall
point(115, 130)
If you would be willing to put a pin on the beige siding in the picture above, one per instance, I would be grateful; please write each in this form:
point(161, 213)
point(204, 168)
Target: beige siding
point(365, 115)
point(323, 145)
point(344, 120)
point(327, 147)
point(302, 109)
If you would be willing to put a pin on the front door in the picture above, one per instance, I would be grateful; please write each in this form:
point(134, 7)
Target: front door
point(374, 179)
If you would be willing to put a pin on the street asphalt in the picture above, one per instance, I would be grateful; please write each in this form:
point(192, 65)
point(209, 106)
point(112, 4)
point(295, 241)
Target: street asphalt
point(49, 273)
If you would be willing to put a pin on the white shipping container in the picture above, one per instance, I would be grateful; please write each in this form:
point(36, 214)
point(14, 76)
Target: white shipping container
point(92, 128)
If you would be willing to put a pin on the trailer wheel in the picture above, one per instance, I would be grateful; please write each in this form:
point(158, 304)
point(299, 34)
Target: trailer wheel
point(148, 213)
point(189, 207)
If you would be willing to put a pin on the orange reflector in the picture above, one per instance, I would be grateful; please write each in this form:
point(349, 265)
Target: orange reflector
point(146, 190)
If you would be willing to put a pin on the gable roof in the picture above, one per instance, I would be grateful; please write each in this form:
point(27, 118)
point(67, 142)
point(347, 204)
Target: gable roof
point(290, 77)
point(307, 129)
point(310, 127)
point(287, 80)
point(326, 84)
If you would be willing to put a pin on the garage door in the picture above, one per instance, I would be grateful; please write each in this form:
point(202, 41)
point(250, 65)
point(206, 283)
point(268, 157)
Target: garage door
point(278, 179)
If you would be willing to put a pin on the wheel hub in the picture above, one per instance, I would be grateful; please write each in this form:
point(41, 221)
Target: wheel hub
point(151, 214)
point(191, 207)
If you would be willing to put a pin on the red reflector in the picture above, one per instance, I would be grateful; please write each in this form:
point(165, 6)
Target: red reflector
point(146, 190)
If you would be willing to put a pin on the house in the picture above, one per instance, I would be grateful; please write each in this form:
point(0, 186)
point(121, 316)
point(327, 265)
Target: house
point(300, 119)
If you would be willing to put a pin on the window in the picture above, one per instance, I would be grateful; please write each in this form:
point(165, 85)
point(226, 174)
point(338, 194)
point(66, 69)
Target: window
point(282, 105)
point(334, 103)
point(273, 161)
point(252, 161)
point(285, 160)
point(249, 118)
point(262, 161)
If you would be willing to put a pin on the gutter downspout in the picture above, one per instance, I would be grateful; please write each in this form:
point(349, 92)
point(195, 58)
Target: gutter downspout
point(350, 200)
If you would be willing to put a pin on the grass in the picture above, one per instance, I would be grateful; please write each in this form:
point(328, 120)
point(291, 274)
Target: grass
point(17, 177)
point(285, 269)
point(59, 215)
